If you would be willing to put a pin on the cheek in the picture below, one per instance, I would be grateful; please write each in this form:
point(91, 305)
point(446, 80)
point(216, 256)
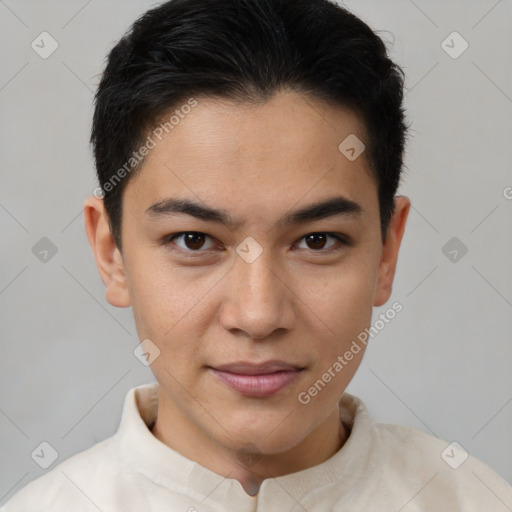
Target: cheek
point(171, 308)
point(343, 300)
point(344, 307)
point(161, 292)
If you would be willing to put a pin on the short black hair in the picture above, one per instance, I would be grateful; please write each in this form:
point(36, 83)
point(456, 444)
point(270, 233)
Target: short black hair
point(246, 51)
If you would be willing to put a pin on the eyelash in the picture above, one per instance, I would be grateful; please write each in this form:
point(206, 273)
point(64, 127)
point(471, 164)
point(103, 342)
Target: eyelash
point(343, 240)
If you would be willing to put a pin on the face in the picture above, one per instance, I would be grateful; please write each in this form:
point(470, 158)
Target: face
point(269, 285)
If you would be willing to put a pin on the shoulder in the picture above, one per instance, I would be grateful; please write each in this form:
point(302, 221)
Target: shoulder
point(75, 484)
point(439, 471)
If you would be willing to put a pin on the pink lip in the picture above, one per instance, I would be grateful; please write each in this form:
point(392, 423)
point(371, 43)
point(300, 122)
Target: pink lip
point(257, 381)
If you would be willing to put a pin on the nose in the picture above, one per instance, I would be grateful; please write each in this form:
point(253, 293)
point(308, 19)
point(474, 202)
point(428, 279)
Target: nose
point(258, 299)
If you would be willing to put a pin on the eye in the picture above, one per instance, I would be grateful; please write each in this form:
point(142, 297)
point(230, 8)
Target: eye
point(317, 241)
point(192, 240)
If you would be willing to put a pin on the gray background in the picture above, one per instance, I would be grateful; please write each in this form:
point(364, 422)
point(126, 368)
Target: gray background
point(443, 365)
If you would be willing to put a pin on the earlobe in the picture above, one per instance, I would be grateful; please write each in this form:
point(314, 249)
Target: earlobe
point(108, 257)
point(390, 249)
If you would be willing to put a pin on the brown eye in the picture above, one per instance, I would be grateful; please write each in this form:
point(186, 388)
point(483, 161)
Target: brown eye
point(317, 241)
point(192, 241)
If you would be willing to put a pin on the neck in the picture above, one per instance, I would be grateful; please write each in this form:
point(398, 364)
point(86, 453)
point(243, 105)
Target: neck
point(248, 466)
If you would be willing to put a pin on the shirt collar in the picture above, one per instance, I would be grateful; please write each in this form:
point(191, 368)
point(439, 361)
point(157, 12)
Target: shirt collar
point(147, 455)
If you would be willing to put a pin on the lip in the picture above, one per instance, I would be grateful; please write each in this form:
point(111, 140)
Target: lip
point(265, 368)
point(257, 380)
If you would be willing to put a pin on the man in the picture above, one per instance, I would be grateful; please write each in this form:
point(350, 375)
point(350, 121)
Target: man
point(248, 154)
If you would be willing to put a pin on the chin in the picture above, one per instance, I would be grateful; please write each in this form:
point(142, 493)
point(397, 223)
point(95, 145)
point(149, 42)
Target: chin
point(264, 440)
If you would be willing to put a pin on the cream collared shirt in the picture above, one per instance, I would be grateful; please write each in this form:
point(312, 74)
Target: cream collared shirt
point(380, 468)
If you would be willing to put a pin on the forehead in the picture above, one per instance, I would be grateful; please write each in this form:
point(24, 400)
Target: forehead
point(284, 149)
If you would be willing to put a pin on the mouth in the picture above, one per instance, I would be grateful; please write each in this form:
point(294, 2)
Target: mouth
point(257, 380)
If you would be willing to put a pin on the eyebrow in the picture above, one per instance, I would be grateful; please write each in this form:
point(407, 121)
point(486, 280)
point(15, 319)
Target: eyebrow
point(336, 206)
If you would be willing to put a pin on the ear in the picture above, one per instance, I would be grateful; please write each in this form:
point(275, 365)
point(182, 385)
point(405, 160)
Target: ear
point(390, 247)
point(109, 259)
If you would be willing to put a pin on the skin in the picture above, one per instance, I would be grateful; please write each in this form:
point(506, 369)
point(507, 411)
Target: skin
point(297, 302)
